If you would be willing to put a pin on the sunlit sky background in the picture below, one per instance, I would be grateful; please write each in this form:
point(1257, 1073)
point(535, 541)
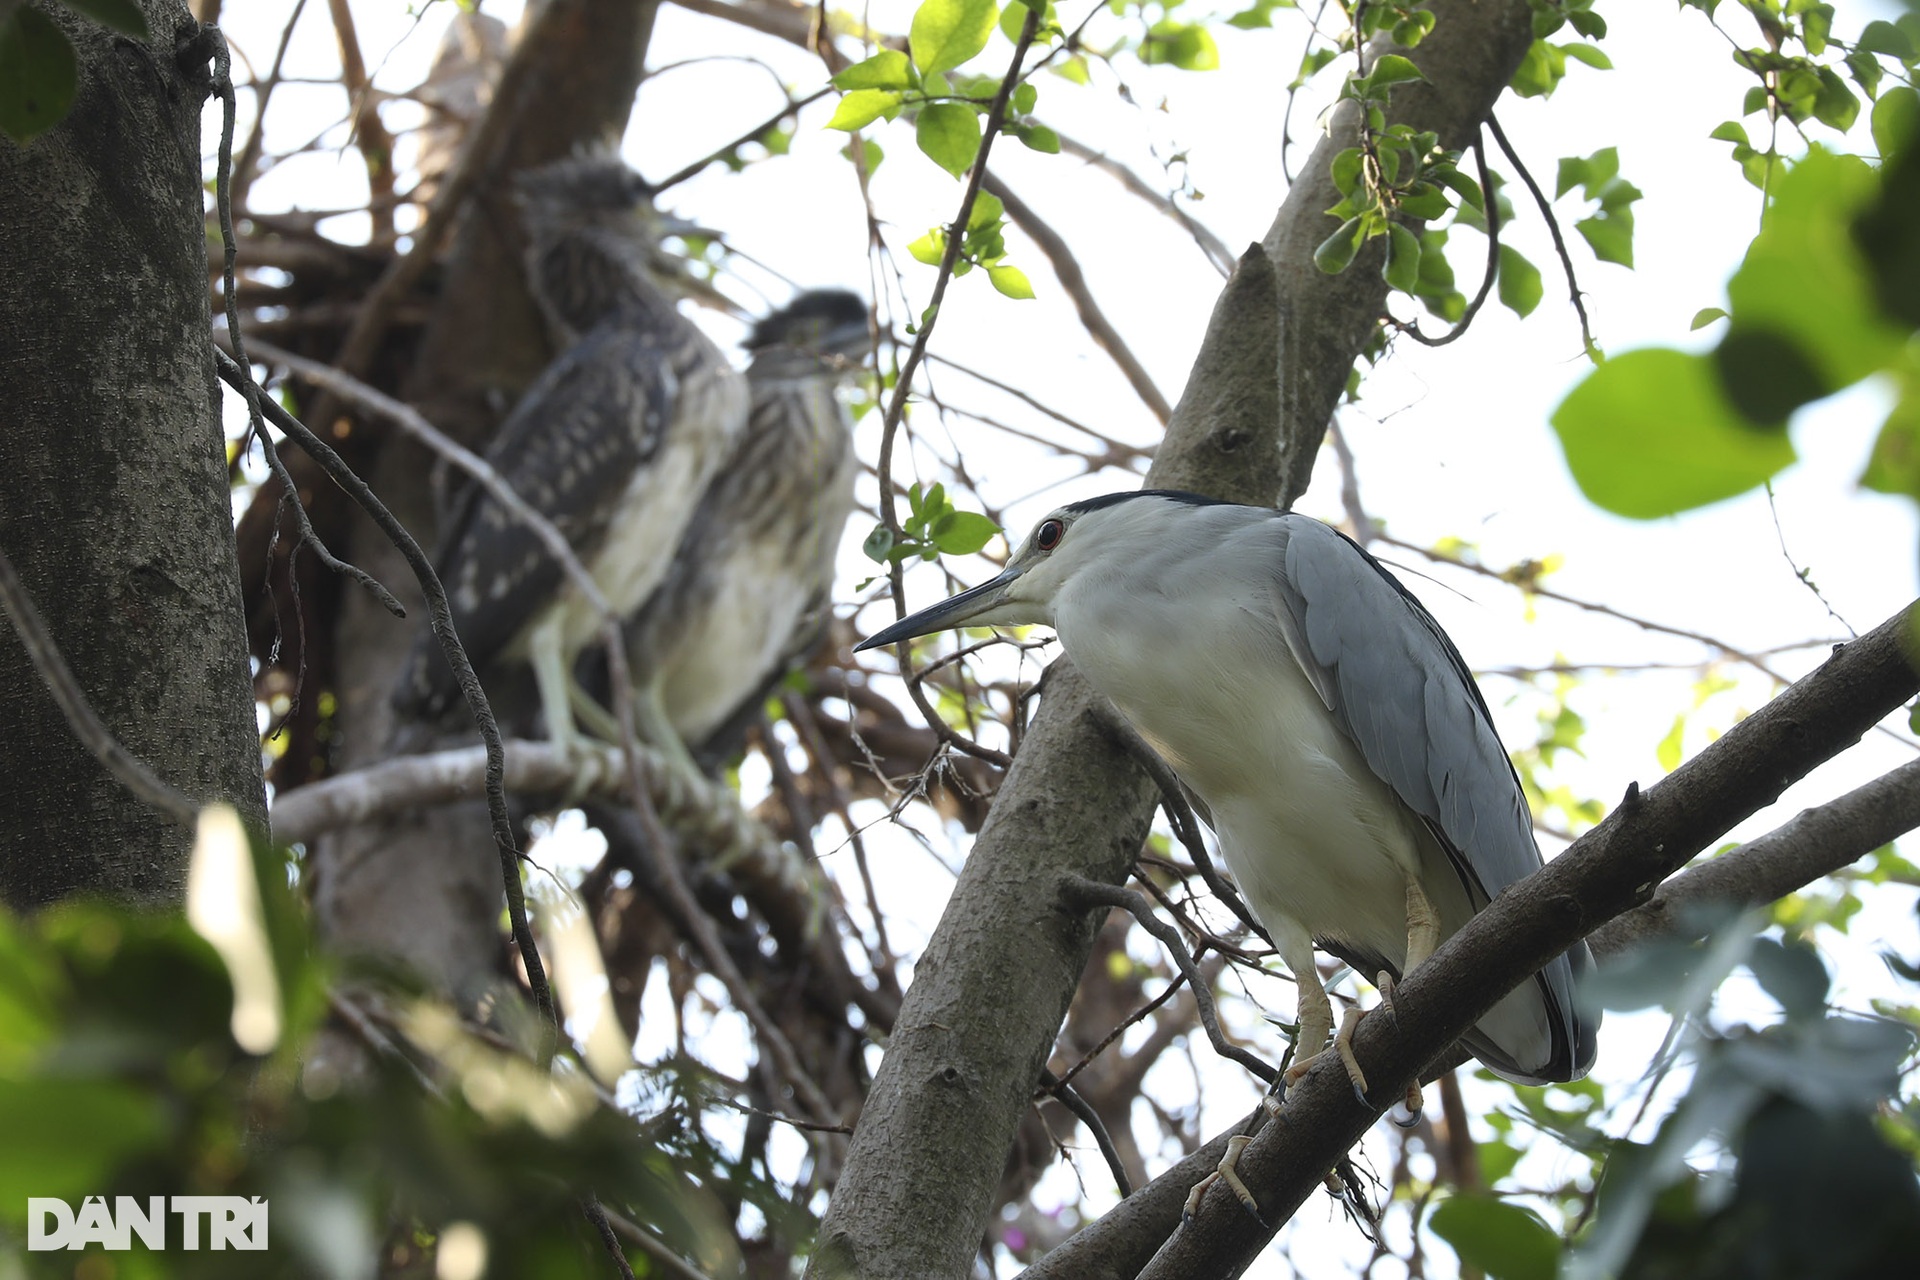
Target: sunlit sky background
point(1452, 442)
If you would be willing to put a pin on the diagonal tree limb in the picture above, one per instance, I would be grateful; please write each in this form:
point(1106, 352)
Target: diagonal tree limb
point(1817, 842)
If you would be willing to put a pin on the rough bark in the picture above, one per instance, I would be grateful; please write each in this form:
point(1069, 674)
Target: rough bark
point(424, 886)
point(116, 512)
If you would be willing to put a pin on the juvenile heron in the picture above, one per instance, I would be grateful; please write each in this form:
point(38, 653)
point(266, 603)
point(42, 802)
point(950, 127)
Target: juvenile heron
point(1336, 740)
point(614, 444)
point(748, 588)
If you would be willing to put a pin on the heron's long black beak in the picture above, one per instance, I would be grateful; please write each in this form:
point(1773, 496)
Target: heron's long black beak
point(948, 613)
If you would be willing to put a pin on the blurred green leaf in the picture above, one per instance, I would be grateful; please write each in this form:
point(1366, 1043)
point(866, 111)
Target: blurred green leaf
point(123, 16)
point(1501, 1239)
point(862, 107)
point(1652, 432)
point(38, 74)
point(1013, 283)
point(65, 1137)
point(949, 134)
point(888, 69)
point(961, 533)
point(1178, 44)
point(1520, 285)
point(945, 33)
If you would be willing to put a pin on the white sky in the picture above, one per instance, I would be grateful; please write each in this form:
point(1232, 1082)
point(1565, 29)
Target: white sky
point(1449, 442)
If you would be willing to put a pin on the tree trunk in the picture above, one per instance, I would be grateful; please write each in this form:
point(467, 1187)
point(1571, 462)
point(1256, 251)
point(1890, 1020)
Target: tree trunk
point(116, 512)
point(989, 995)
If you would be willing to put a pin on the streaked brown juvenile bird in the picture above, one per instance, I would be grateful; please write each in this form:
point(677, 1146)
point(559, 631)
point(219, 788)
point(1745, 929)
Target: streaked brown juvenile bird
point(748, 589)
point(614, 444)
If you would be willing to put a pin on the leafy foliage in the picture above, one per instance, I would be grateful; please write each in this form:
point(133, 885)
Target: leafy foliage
point(120, 1075)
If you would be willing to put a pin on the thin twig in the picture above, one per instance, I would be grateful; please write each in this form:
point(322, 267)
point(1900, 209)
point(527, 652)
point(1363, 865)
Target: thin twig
point(596, 1214)
point(752, 135)
point(1491, 210)
point(440, 618)
point(132, 773)
point(897, 406)
point(1553, 227)
point(1070, 1098)
point(1085, 893)
point(1066, 269)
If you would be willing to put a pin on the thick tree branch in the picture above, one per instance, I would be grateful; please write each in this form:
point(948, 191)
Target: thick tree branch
point(1606, 872)
point(1816, 842)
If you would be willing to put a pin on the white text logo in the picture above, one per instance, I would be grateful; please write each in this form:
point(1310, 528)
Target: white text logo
point(231, 1222)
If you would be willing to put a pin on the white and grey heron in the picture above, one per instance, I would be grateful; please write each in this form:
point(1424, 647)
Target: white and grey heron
point(1337, 743)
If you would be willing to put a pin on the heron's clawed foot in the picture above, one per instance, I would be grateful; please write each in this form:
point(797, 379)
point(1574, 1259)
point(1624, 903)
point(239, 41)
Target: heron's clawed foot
point(1342, 1047)
point(1415, 1100)
point(1228, 1172)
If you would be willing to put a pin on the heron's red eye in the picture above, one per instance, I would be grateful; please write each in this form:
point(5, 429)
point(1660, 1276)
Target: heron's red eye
point(1048, 535)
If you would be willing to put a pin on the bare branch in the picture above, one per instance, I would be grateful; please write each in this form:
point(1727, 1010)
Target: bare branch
point(1066, 269)
point(1816, 842)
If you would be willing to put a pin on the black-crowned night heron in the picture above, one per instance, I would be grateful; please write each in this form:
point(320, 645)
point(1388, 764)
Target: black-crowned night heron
point(1337, 742)
point(614, 444)
point(750, 584)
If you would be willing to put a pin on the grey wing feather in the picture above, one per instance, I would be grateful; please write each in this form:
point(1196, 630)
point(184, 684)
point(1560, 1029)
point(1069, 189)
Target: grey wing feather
point(1400, 690)
point(570, 449)
point(1402, 693)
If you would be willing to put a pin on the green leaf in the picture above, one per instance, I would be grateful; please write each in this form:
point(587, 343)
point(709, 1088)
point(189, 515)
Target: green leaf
point(1346, 170)
point(122, 15)
point(1024, 97)
point(1835, 105)
point(945, 33)
point(1012, 282)
point(987, 210)
point(37, 74)
point(1336, 251)
point(1895, 119)
point(1588, 54)
point(1014, 17)
point(1730, 131)
point(1502, 1240)
point(1652, 432)
point(930, 248)
point(1883, 37)
point(862, 107)
point(961, 533)
point(1038, 137)
point(888, 69)
point(1391, 69)
point(1767, 374)
point(1894, 464)
point(878, 544)
point(66, 1137)
point(1706, 316)
point(1610, 238)
point(1074, 69)
point(1402, 267)
point(1520, 285)
point(950, 135)
point(1178, 44)
point(1667, 750)
point(1804, 276)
